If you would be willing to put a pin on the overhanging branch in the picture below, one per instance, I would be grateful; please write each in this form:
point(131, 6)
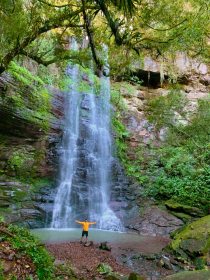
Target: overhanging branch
point(48, 25)
point(87, 24)
point(40, 60)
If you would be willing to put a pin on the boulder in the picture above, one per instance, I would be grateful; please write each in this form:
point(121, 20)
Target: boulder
point(105, 246)
point(154, 221)
point(88, 244)
point(193, 241)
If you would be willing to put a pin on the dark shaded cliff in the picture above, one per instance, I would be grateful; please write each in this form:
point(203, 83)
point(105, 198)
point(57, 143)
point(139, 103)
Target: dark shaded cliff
point(29, 136)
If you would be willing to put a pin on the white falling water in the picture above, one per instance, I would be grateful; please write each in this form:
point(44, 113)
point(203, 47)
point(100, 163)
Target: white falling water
point(62, 208)
point(86, 159)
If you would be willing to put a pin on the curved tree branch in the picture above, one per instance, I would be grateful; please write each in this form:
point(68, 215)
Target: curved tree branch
point(40, 60)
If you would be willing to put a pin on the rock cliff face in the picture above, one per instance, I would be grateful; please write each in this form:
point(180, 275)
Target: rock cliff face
point(144, 216)
point(27, 150)
point(192, 75)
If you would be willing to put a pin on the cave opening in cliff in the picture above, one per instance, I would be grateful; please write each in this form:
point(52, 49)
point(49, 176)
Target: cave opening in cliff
point(150, 79)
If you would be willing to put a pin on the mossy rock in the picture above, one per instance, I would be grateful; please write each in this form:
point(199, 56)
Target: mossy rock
point(181, 208)
point(134, 276)
point(193, 240)
point(190, 275)
point(183, 216)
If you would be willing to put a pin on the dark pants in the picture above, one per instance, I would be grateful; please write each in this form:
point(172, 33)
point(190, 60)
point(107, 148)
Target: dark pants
point(84, 233)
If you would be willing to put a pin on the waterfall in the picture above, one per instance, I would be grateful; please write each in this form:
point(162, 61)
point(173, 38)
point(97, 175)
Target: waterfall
point(62, 209)
point(86, 158)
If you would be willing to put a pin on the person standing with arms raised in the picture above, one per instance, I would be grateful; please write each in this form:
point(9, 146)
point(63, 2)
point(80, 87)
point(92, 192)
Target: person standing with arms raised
point(85, 227)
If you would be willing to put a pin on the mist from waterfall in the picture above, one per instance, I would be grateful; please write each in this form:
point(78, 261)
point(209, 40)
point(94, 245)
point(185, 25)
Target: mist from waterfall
point(86, 158)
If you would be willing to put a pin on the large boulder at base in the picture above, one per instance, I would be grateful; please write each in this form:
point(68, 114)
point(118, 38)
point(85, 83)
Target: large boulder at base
point(190, 275)
point(193, 240)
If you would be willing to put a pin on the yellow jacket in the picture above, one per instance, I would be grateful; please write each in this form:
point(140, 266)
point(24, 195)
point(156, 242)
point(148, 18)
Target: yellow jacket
point(85, 225)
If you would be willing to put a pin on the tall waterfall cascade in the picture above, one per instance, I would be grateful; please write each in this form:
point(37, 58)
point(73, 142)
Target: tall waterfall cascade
point(86, 158)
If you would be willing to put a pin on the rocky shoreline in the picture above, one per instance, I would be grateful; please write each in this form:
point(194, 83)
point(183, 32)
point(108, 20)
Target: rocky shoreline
point(122, 260)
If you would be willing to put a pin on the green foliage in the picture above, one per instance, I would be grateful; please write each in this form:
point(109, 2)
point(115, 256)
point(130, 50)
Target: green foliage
point(135, 80)
point(21, 161)
point(65, 271)
point(121, 132)
point(121, 135)
point(29, 245)
point(24, 76)
point(32, 99)
point(179, 26)
point(161, 109)
point(104, 268)
point(116, 95)
point(64, 82)
point(175, 174)
point(179, 169)
point(1, 271)
point(38, 183)
point(1, 219)
point(200, 263)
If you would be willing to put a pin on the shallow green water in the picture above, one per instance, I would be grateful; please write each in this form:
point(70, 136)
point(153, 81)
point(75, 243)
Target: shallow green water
point(60, 235)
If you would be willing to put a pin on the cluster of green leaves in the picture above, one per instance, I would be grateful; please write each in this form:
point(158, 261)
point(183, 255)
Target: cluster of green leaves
point(104, 268)
point(25, 242)
point(180, 169)
point(21, 162)
point(24, 76)
point(178, 26)
point(174, 173)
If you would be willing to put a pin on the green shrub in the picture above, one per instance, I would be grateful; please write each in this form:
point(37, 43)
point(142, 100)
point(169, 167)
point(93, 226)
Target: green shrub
point(25, 242)
point(21, 161)
point(179, 168)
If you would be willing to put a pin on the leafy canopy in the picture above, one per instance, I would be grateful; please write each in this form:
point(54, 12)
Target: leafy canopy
point(39, 28)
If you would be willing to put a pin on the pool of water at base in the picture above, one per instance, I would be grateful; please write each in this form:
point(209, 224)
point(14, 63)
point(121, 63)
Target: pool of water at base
point(74, 234)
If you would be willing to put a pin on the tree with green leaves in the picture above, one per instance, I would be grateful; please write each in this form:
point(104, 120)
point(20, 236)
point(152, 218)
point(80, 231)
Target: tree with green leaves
point(159, 27)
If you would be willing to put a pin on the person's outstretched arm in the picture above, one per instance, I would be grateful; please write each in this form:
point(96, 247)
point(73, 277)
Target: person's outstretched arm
point(78, 222)
point(92, 223)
